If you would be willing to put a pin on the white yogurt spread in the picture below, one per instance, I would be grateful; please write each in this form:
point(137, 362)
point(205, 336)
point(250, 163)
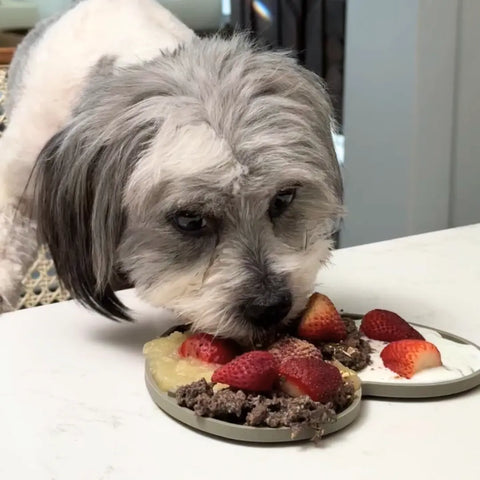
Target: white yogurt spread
point(459, 360)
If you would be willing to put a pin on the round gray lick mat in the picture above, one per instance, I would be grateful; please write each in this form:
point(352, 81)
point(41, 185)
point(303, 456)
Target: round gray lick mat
point(242, 433)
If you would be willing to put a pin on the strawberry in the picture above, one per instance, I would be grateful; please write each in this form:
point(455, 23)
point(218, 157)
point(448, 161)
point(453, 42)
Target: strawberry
point(310, 376)
point(321, 321)
point(252, 371)
point(407, 357)
point(289, 347)
point(387, 326)
point(205, 347)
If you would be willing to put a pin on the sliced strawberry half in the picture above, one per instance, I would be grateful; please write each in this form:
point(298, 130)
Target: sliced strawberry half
point(387, 326)
point(407, 357)
point(289, 347)
point(310, 376)
point(207, 348)
point(321, 321)
point(254, 371)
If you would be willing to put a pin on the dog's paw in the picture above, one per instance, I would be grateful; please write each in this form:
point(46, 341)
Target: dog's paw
point(10, 284)
point(5, 305)
point(18, 247)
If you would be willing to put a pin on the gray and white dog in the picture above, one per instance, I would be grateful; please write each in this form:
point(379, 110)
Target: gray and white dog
point(202, 170)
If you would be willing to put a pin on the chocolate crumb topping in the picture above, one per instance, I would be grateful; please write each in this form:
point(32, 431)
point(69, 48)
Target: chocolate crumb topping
point(353, 352)
point(274, 409)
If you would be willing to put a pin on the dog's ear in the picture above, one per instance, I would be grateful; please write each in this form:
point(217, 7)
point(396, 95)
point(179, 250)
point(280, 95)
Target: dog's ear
point(79, 181)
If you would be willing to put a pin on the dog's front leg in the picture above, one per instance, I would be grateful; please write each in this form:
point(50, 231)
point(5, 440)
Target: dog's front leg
point(18, 247)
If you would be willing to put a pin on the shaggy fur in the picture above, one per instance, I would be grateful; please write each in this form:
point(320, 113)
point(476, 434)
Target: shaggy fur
point(214, 127)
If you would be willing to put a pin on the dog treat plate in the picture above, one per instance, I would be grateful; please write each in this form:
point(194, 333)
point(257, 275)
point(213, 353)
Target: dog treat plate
point(462, 377)
point(242, 433)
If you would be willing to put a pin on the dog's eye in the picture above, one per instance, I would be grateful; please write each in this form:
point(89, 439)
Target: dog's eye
point(281, 202)
point(190, 222)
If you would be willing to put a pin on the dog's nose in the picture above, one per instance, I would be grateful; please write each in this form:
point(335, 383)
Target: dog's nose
point(265, 312)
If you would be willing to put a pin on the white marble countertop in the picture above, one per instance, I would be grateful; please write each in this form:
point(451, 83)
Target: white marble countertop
point(73, 404)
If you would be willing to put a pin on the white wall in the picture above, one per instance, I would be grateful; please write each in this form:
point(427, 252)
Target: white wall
point(465, 206)
point(47, 8)
point(400, 74)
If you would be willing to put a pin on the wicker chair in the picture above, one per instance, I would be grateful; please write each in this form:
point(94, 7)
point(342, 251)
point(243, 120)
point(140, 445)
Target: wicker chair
point(40, 286)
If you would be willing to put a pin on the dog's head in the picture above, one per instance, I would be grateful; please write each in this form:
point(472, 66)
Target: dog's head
point(207, 176)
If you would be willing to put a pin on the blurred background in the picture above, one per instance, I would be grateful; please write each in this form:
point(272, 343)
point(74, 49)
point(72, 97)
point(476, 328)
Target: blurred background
point(404, 77)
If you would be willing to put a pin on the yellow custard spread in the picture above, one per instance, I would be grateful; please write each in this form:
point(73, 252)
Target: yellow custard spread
point(168, 369)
